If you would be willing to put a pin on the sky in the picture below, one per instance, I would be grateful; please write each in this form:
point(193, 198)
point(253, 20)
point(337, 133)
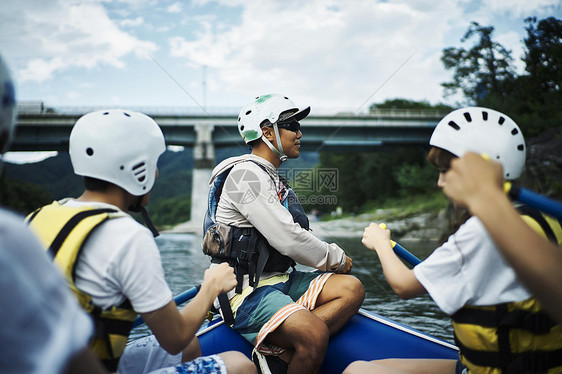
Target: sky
point(222, 53)
point(334, 55)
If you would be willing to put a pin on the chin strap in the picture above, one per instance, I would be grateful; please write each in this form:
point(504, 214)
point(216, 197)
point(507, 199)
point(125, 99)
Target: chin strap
point(138, 208)
point(279, 152)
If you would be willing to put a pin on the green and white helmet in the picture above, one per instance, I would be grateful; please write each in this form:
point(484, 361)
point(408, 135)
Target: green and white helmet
point(483, 130)
point(117, 146)
point(268, 110)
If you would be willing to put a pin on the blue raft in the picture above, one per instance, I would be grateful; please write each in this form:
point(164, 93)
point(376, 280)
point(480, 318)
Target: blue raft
point(367, 336)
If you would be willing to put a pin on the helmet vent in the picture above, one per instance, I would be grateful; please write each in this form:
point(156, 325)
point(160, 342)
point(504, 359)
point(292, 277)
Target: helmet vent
point(514, 132)
point(140, 171)
point(520, 147)
point(89, 151)
point(467, 116)
point(242, 128)
point(454, 125)
point(248, 112)
point(127, 114)
point(485, 116)
point(501, 120)
point(105, 113)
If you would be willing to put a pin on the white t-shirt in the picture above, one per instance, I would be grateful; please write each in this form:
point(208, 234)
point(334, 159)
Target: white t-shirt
point(469, 270)
point(121, 261)
point(42, 324)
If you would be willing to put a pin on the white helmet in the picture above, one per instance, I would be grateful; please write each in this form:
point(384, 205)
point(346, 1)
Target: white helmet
point(118, 146)
point(268, 110)
point(482, 130)
point(7, 107)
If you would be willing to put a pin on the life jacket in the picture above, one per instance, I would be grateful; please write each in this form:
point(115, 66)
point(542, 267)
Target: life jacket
point(515, 337)
point(64, 231)
point(246, 249)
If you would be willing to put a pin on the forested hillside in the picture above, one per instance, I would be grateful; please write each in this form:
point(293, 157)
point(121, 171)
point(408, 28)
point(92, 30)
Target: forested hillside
point(26, 187)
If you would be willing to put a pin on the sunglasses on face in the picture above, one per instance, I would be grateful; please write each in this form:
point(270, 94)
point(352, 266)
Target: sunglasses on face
point(293, 126)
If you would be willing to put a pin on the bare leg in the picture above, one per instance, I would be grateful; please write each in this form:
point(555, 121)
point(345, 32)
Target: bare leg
point(84, 362)
point(306, 336)
point(421, 366)
point(339, 300)
point(237, 363)
point(398, 366)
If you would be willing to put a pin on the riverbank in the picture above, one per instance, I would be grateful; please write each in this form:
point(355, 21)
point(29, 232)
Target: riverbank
point(413, 227)
point(420, 227)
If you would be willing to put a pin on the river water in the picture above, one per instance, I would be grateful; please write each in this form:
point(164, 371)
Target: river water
point(184, 265)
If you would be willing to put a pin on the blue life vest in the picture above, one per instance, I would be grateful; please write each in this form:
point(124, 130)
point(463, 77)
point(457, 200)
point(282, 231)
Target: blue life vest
point(248, 252)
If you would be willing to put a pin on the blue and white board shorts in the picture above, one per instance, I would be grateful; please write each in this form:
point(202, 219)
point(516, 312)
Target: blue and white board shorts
point(201, 365)
point(145, 355)
point(259, 312)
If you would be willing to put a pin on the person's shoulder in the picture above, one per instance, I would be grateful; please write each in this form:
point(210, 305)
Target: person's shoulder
point(257, 165)
point(14, 228)
point(11, 219)
point(473, 224)
point(120, 224)
point(473, 231)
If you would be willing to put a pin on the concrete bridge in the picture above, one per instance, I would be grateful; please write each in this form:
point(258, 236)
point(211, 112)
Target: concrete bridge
point(44, 131)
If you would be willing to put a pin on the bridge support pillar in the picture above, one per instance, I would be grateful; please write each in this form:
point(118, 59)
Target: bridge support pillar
point(204, 157)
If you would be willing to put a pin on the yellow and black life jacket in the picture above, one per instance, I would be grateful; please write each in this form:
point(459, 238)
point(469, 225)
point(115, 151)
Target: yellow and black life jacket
point(64, 231)
point(516, 337)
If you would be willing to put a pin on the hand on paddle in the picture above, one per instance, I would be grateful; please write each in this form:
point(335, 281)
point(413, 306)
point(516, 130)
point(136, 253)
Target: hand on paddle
point(221, 277)
point(376, 237)
point(347, 267)
point(472, 177)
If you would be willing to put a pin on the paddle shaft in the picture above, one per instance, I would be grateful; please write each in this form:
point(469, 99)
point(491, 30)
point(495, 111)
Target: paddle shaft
point(534, 200)
point(404, 254)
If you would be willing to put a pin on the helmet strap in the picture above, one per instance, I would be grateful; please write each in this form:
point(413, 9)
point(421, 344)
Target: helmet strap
point(138, 208)
point(278, 151)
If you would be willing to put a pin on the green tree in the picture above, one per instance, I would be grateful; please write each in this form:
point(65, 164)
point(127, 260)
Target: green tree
point(22, 197)
point(399, 103)
point(485, 76)
point(543, 58)
point(482, 70)
point(539, 91)
point(170, 211)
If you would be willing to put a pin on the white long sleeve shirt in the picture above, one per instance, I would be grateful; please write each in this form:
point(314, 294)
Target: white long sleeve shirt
point(249, 199)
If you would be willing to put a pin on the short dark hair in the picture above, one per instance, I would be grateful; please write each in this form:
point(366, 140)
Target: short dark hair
point(94, 184)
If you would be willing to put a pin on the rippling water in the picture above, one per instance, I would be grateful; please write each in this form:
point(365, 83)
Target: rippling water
point(184, 265)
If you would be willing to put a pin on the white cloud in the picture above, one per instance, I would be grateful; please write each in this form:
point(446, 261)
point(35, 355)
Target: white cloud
point(132, 22)
point(298, 47)
point(69, 34)
point(73, 95)
point(327, 53)
point(174, 8)
point(521, 8)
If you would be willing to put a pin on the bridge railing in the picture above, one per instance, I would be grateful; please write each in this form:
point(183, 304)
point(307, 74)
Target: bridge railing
point(39, 107)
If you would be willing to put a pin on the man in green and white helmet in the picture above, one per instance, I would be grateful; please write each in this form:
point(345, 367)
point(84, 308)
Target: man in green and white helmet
point(287, 315)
